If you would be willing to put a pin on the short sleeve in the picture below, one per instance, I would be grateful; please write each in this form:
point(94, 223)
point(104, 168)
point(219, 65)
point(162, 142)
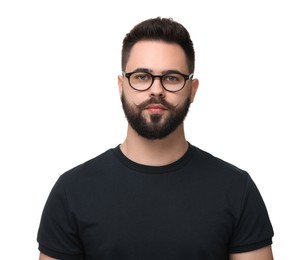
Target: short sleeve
point(253, 229)
point(57, 233)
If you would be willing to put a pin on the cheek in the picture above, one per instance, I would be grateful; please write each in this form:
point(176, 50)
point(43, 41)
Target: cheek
point(179, 98)
point(137, 99)
point(131, 97)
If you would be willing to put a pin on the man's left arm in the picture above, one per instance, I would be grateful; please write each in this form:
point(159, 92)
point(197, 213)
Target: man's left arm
point(264, 253)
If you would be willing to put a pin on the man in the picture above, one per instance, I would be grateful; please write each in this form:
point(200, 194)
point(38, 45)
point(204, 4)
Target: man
point(156, 196)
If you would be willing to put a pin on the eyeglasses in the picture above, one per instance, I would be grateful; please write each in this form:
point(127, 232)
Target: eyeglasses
point(171, 82)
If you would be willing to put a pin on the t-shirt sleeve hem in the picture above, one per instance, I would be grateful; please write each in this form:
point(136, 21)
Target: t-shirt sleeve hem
point(58, 255)
point(250, 247)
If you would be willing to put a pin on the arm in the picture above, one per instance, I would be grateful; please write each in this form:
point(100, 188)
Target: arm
point(45, 257)
point(57, 234)
point(42, 256)
point(264, 253)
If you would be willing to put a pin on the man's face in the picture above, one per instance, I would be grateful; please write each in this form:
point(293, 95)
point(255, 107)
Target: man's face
point(156, 113)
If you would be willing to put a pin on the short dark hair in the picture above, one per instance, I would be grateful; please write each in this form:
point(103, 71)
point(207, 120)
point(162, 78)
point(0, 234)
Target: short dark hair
point(160, 29)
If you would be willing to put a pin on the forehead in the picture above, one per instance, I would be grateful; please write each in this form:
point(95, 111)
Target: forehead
point(157, 56)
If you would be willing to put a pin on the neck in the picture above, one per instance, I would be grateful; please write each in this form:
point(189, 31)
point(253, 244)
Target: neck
point(155, 152)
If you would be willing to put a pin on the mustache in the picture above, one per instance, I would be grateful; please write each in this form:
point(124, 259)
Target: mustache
point(155, 100)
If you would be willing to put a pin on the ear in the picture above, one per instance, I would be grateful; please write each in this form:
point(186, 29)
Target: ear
point(120, 84)
point(194, 88)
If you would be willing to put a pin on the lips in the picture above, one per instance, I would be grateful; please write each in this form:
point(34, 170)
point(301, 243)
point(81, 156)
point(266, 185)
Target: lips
point(156, 108)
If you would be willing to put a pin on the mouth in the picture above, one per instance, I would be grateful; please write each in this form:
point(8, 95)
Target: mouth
point(155, 108)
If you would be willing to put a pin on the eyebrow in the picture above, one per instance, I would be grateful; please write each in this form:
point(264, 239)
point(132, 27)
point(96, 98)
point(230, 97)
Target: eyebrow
point(151, 71)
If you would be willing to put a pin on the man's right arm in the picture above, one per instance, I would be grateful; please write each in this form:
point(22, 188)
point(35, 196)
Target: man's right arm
point(45, 257)
point(42, 256)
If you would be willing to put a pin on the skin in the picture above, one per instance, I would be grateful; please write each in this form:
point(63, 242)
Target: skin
point(45, 257)
point(264, 253)
point(159, 57)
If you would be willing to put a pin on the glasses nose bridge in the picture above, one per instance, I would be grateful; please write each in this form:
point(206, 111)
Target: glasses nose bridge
point(160, 77)
point(157, 76)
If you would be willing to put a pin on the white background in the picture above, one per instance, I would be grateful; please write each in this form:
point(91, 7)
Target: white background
point(60, 105)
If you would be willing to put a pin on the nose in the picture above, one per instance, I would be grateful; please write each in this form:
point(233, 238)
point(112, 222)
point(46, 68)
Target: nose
point(157, 89)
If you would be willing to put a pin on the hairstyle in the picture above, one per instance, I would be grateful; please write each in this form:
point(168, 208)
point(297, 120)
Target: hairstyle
point(160, 29)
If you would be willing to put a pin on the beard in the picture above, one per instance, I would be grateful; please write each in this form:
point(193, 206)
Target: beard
point(159, 126)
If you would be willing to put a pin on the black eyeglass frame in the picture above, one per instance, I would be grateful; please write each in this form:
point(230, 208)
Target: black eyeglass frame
point(129, 74)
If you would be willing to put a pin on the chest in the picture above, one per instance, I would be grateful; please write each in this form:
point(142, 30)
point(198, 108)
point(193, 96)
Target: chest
point(175, 221)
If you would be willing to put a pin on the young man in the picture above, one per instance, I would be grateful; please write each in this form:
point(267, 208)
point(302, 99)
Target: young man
point(156, 196)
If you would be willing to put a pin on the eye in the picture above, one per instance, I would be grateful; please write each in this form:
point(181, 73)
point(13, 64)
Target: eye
point(139, 76)
point(172, 78)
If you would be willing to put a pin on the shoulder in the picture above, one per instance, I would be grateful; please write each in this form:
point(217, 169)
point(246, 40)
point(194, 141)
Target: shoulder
point(215, 165)
point(90, 170)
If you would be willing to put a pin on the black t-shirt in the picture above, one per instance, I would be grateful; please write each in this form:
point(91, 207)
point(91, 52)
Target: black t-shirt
point(111, 208)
